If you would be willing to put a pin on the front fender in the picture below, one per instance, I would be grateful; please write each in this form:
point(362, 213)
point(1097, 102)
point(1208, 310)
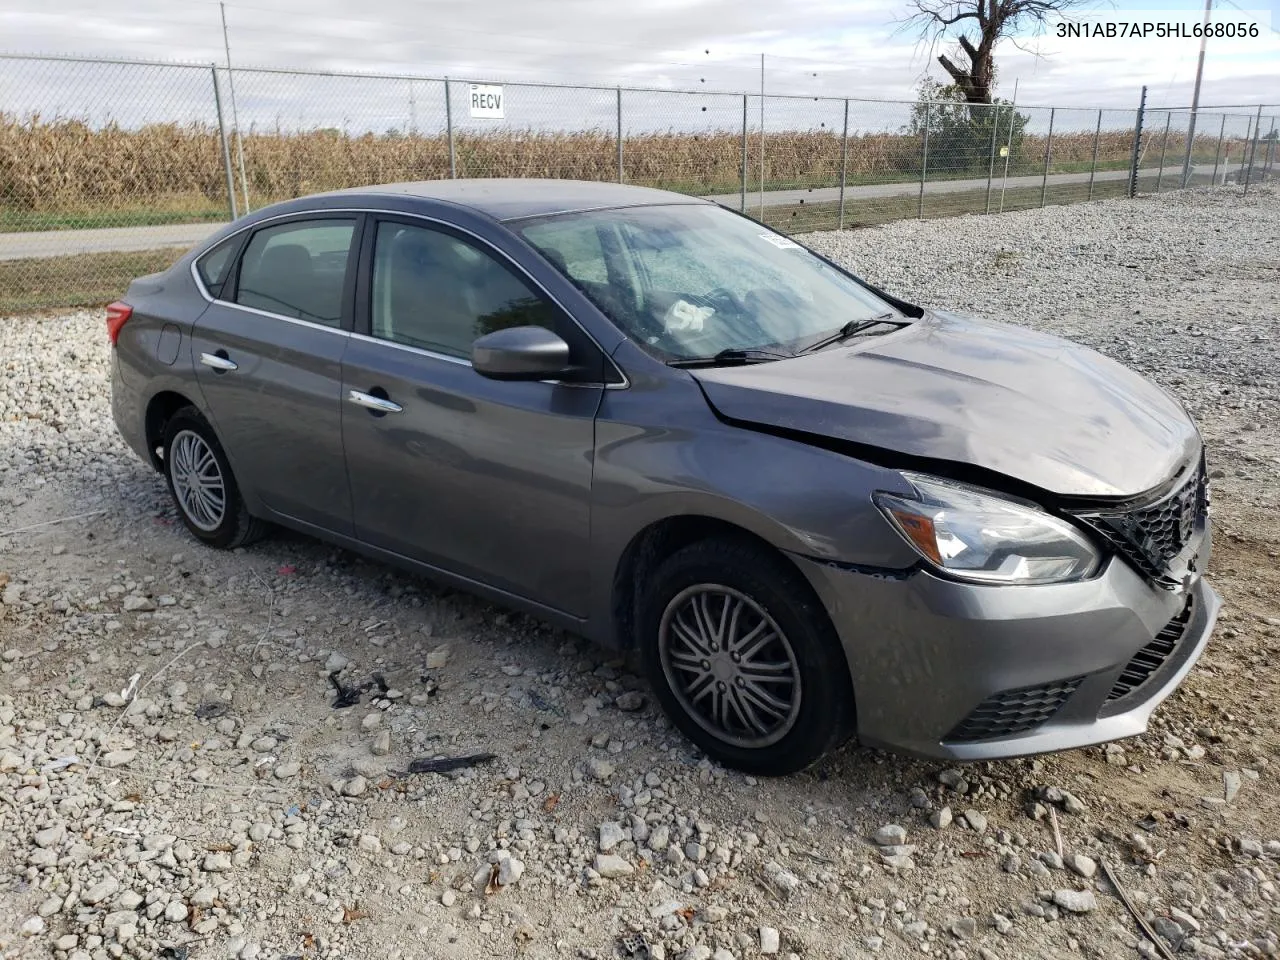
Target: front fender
point(662, 453)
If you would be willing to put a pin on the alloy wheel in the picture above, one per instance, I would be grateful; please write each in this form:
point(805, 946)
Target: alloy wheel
point(730, 665)
point(197, 479)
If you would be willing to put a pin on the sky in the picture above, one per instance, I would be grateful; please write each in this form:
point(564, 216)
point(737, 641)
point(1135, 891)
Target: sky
point(835, 48)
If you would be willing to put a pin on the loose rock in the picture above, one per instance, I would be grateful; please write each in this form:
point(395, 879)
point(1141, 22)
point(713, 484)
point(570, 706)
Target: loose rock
point(891, 835)
point(770, 940)
point(611, 834)
point(1075, 901)
point(611, 867)
point(630, 701)
point(1084, 866)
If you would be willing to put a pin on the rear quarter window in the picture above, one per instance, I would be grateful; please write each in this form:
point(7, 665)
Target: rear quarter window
point(214, 266)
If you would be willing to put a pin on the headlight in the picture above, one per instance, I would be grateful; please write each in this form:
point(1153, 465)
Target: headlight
point(976, 535)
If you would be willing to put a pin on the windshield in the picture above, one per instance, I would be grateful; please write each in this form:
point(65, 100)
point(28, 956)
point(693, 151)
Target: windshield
point(691, 280)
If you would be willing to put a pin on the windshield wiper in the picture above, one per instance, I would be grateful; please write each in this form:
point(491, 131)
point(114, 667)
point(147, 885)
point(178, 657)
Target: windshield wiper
point(730, 356)
point(850, 329)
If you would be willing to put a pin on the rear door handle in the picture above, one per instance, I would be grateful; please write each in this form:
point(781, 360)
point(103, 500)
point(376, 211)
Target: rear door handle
point(218, 362)
point(376, 404)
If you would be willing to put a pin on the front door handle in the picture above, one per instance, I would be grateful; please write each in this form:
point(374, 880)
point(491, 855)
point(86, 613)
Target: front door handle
point(218, 361)
point(376, 404)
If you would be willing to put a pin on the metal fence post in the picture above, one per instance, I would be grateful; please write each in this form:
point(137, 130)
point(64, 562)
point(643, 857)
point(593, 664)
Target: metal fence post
point(1217, 152)
point(1048, 153)
point(1164, 145)
point(1137, 144)
point(744, 154)
point(1244, 148)
point(991, 160)
point(1187, 171)
point(1093, 167)
point(762, 138)
point(1008, 147)
point(448, 126)
point(924, 159)
point(415, 144)
point(1271, 144)
point(620, 135)
point(1253, 150)
point(844, 164)
point(226, 147)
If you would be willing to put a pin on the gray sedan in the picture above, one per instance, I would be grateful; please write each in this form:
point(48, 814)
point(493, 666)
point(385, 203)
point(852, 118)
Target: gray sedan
point(811, 509)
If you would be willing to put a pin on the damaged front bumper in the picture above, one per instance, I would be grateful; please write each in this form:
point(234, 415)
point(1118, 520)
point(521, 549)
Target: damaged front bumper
point(976, 672)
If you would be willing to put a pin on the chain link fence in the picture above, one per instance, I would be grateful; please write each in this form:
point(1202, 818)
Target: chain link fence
point(109, 169)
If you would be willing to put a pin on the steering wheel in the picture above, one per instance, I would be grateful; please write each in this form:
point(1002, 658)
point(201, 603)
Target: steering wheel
point(778, 305)
point(719, 293)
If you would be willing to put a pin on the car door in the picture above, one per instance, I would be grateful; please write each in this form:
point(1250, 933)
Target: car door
point(268, 354)
point(488, 480)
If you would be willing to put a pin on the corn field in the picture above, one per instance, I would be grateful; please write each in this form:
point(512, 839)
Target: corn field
point(66, 166)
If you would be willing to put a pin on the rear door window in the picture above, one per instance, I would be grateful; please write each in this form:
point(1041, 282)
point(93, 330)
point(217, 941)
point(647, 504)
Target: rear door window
point(298, 270)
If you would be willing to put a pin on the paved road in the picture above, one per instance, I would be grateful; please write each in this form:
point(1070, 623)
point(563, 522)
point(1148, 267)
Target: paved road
point(56, 243)
point(880, 191)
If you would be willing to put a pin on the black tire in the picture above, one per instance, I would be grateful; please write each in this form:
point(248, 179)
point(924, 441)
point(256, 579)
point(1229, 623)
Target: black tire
point(230, 527)
point(776, 595)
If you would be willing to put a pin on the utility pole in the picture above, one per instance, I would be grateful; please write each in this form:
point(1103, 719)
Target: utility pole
point(1195, 96)
point(235, 116)
point(1137, 143)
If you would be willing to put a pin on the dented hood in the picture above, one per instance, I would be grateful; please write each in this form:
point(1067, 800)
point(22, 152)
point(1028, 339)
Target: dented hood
point(1033, 407)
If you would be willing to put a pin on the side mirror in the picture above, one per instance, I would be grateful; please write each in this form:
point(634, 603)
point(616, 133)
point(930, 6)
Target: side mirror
point(520, 353)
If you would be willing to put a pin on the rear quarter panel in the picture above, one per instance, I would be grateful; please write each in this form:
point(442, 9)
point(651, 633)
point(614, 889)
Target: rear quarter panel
point(169, 299)
point(152, 353)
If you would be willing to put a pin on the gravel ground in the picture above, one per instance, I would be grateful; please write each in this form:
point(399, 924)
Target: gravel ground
point(175, 780)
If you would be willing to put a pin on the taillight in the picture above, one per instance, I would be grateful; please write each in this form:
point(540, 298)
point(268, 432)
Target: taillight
point(117, 314)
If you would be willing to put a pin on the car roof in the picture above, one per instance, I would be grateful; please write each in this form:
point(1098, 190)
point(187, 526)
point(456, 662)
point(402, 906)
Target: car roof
point(515, 199)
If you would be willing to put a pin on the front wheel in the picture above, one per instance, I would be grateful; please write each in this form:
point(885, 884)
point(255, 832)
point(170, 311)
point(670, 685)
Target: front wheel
point(202, 486)
point(743, 657)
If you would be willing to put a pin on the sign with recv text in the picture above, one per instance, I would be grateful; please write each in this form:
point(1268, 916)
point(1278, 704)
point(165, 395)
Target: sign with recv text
point(487, 102)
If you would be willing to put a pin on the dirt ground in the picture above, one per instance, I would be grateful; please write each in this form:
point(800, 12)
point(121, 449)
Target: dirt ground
point(176, 782)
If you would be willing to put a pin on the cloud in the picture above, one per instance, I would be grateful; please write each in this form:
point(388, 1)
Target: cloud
point(813, 48)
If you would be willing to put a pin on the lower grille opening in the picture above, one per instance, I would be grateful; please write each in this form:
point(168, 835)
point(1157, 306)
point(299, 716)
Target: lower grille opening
point(1011, 712)
point(1151, 657)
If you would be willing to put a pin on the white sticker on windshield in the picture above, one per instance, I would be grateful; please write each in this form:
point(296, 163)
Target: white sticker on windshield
point(782, 243)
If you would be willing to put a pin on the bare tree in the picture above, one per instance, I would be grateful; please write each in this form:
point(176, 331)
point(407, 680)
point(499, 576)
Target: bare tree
point(978, 26)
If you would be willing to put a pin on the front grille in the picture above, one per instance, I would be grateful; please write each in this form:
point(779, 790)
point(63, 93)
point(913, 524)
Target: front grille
point(1151, 657)
point(1011, 712)
point(1152, 536)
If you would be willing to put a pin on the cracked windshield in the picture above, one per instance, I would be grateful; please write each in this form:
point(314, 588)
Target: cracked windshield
point(689, 281)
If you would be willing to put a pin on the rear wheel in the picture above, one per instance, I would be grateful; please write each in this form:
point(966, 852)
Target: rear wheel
point(743, 657)
point(202, 485)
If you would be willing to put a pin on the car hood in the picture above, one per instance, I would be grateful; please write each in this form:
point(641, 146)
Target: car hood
point(1034, 407)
